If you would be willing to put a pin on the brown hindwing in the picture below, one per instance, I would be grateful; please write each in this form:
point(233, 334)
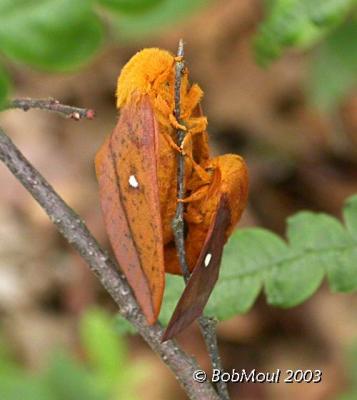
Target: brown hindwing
point(204, 275)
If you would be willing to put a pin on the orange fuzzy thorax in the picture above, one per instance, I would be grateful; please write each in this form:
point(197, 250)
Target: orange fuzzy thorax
point(151, 72)
point(144, 74)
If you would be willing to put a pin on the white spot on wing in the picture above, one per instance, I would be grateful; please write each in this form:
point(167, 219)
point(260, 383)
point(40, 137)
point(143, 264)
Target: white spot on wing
point(208, 259)
point(133, 181)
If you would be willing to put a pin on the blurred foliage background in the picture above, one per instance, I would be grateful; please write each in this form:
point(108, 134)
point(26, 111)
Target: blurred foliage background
point(280, 88)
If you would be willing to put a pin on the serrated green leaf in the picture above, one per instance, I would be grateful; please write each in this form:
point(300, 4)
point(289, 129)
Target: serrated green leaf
point(310, 231)
point(157, 18)
point(297, 23)
point(56, 35)
point(318, 245)
point(293, 280)
point(334, 67)
point(342, 271)
point(220, 304)
point(4, 86)
point(237, 288)
point(333, 248)
point(105, 349)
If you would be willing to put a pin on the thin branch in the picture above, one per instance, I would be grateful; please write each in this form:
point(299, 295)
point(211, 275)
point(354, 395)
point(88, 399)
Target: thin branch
point(77, 234)
point(207, 325)
point(178, 222)
point(51, 105)
point(208, 330)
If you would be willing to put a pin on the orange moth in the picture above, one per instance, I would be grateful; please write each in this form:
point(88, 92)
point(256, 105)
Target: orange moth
point(213, 211)
point(136, 169)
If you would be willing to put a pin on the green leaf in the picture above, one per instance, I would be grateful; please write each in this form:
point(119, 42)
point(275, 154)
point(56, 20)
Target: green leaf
point(290, 273)
point(130, 6)
point(318, 245)
point(67, 379)
point(311, 232)
point(107, 353)
point(334, 67)
point(174, 287)
point(312, 238)
point(56, 35)
point(4, 86)
point(236, 290)
point(105, 349)
point(155, 19)
point(297, 23)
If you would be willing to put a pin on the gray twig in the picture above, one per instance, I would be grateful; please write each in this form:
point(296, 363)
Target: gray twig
point(208, 329)
point(207, 325)
point(178, 222)
point(51, 105)
point(77, 234)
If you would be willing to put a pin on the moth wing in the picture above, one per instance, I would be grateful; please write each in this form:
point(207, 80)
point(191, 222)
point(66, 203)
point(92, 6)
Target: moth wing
point(204, 276)
point(126, 168)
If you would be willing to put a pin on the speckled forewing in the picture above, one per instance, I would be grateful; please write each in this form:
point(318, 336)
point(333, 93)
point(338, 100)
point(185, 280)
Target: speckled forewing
point(126, 167)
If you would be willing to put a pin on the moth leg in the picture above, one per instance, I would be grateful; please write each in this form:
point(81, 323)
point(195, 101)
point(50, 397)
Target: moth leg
point(175, 123)
point(178, 59)
point(195, 126)
point(193, 216)
point(191, 100)
point(195, 196)
point(204, 176)
point(182, 149)
point(161, 104)
point(172, 143)
point(166, 116)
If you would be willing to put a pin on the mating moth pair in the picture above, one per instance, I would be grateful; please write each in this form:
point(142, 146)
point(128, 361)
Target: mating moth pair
point(136, 169)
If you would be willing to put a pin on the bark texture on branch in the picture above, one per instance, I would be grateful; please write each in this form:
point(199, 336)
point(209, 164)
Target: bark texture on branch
point(77, 234)
point(53, 105)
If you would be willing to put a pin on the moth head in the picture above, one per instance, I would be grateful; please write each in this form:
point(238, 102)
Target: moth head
point(148, 72)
